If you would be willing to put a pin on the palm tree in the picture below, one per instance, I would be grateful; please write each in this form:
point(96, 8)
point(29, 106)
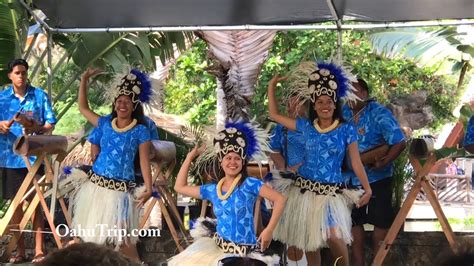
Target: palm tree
point(447, 47)
point(238, 57)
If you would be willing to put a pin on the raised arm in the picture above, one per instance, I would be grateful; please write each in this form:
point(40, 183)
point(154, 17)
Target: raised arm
point(273, 106)
point(181, 185)
point(92, 117)
point(360, 172)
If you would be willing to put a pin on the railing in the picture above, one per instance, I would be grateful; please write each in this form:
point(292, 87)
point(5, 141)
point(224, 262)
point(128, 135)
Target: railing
point(450, 188)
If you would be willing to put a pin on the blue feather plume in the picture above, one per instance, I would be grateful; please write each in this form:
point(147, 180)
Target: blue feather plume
point(67, 170)
point(342, 81)
point(146, 90)
point(249, 133)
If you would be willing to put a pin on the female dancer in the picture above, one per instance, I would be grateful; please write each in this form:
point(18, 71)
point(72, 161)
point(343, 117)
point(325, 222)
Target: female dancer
point(233, 200)
point(106, 201)
point(318, 208)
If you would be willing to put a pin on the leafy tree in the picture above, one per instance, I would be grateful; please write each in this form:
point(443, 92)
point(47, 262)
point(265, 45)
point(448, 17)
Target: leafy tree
point(190, 90)
point(389, 78)
point(14, 22)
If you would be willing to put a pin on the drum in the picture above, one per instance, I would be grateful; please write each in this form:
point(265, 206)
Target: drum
point(39, 144)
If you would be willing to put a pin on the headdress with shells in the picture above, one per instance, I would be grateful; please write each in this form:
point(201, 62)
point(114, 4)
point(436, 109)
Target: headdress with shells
point(135, 84)
point(245, 138)
point(313, 79)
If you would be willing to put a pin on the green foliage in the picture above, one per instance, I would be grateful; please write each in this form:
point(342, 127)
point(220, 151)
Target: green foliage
point(73, 121)
point(191, 90)
point(466, 224)
point(14, 27)
point(388, 78)
point(402, 172)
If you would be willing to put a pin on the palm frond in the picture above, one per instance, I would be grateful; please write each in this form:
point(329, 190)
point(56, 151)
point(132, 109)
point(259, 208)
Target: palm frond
point(240, 55)
point(13, 31)
point(195, 132)
point(424, 47)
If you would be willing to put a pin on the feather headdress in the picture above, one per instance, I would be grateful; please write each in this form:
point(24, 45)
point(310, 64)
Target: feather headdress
point(312, 79)
point(135, 84)
point(245, 138)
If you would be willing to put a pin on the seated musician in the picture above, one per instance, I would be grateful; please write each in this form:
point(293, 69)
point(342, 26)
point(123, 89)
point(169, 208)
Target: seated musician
point(375, 126)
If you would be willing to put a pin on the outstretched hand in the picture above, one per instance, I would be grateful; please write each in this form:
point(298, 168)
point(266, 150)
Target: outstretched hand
point(92, 72)
point(364, 200)
point(277, 79)
point(196, 151)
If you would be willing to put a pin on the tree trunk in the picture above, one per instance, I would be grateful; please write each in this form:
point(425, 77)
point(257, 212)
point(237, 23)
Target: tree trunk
point(221, 112)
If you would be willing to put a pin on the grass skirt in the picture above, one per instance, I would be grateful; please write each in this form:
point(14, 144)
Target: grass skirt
point(102, 215)
point(204, 250)
point(308, 217)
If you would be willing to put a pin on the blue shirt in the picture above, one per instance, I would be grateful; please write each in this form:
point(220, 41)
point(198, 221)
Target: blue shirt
point(469, 138)
point(95, 135)
point(118, 150)
point(294, 144)
point(235, 214)
point(324, 152)
point(35, 105)
point(376, 126)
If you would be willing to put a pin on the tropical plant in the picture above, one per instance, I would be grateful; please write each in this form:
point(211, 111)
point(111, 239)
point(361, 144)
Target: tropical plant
point(444, 47)
point(14, 22)
point(190, 90)
point(238, 58)
point(402, 172)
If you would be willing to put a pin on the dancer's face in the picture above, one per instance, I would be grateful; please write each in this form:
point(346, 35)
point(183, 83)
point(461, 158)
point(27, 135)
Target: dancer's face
point(232, 164)
point(324, 107)
point(124, 107)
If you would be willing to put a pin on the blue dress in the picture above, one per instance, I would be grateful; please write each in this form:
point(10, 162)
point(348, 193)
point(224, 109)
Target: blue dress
point(292, 140)
point(324, 152)
point(469, 138)
point(118, 150)
point(235, 214)
point(96, 202)
point(309, 216)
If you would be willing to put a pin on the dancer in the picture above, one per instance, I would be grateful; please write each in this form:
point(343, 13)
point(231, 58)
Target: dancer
point(319, 204)
point(106, 201)
point(233, 200)
point(287, 155)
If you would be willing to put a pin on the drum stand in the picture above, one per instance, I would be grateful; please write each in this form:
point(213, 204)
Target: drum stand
point(40, 146)
point(165, 155)
point(421, 181)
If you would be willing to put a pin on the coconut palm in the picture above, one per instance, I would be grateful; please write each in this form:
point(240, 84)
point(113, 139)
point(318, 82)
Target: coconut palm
point(447, 47)
point(238, 57)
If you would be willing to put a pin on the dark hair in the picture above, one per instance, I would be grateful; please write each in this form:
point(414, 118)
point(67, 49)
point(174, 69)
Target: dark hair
point(16, 62)
point(86, 254)
point(137, 113)
point(364, 85)
point(312, 114)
